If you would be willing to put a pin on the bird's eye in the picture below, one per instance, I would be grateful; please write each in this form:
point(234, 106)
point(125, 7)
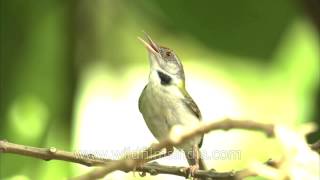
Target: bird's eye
point(168, 53)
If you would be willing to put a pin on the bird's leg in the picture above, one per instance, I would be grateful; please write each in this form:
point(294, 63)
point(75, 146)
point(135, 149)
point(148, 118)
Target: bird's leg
point(193, 158)
point(158, 155)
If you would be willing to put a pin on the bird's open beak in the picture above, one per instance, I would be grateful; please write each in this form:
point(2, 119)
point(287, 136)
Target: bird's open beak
point(150, 45)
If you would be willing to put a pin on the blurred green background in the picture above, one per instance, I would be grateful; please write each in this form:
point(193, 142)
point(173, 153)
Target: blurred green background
point(71, 73)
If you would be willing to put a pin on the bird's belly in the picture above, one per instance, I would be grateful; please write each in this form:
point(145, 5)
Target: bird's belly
point(156, 118)
point(162, 111)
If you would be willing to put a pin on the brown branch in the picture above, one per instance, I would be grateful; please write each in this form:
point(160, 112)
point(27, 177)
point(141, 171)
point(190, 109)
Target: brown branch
point(228, 124)
point(90, 160)
point(51, 153)
point(173, 140)
point(155, 168)
point(127, 165)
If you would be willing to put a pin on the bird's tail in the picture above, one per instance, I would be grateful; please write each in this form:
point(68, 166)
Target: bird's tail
point(202, 165)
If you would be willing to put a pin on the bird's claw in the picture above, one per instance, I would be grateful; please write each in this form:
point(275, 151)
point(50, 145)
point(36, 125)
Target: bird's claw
point(192, 170)
point(134, 170)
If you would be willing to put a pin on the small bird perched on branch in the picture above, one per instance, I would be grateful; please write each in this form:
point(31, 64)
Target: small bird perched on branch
point(164, 102)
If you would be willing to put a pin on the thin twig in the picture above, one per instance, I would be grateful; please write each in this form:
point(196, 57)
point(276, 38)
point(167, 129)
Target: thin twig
point(153, 168)
point(174, 140)
point(51, 153)
point(127, 165)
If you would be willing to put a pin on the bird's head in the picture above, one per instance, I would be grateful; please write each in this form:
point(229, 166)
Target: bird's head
point(165, 66)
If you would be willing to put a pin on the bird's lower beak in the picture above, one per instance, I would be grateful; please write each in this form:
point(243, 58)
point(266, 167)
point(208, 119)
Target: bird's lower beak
point(150, 45)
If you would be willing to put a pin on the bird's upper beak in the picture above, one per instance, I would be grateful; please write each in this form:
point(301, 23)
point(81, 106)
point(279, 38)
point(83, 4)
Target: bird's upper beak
point(150, 45)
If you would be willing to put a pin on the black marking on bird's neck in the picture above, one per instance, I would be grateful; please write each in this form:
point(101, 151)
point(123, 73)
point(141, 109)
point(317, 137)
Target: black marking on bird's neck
point(165, 79)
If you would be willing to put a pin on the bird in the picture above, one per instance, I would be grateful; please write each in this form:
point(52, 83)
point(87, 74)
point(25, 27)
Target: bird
point(165, 102)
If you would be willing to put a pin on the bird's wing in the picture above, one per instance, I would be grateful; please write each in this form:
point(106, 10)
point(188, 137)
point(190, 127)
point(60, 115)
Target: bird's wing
point(140, 98)
point(192, 106)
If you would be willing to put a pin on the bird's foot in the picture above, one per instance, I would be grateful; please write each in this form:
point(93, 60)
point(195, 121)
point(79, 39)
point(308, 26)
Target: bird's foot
point(136, 170)
point(191, 170)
